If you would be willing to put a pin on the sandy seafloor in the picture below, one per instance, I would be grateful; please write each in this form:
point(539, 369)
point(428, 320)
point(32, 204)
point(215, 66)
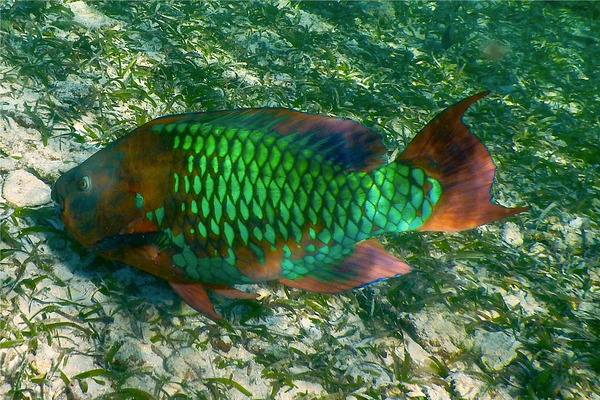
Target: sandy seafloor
point(507, 310)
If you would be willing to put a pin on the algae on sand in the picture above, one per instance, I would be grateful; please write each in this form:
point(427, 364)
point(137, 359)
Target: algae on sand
point(512, 306)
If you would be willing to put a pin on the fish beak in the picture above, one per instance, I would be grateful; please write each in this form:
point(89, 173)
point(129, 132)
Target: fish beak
point(56, 197)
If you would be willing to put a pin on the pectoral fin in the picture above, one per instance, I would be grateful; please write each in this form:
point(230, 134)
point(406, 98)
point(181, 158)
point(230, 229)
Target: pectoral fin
point(131, 240)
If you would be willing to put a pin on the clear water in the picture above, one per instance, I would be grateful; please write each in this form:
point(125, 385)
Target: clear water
point(508, 310)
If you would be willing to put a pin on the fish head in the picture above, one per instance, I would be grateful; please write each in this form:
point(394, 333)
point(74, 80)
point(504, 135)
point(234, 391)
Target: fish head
point(96, 198)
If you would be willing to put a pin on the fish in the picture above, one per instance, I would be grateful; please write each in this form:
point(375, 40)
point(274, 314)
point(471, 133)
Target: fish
point(210, 200)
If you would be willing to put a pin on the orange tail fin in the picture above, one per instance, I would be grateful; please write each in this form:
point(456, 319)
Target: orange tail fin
point(447, 151)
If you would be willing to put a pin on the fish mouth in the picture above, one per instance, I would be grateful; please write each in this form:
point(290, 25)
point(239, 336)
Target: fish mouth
point(57, 198)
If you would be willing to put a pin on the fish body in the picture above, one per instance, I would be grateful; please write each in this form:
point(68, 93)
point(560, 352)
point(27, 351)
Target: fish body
point(210, 200)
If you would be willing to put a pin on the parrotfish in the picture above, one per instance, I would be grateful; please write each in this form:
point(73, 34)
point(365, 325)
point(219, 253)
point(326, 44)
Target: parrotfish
point(214, 199)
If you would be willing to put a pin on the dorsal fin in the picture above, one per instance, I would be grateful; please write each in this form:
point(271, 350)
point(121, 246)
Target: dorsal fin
point(342, 141)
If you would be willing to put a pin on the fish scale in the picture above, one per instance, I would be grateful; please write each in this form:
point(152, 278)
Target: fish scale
point(209, 200)
point(277, 182)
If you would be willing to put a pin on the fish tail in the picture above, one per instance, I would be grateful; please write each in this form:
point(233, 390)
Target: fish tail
point(447, 151)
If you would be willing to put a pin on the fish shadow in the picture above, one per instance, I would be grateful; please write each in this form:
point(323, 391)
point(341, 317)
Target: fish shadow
point(121, 285)
point(143, 295)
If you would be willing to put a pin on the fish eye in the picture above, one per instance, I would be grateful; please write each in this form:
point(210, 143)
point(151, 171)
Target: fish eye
point(84, 184)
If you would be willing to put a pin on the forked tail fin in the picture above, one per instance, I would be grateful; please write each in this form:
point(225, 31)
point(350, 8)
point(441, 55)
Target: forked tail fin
point(448, 152)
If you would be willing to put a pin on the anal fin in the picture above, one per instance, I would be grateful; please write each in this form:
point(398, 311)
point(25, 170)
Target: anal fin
point(369, 263)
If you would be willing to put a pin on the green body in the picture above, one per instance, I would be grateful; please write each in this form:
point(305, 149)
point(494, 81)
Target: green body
point(233, 188)
point(208, 200)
